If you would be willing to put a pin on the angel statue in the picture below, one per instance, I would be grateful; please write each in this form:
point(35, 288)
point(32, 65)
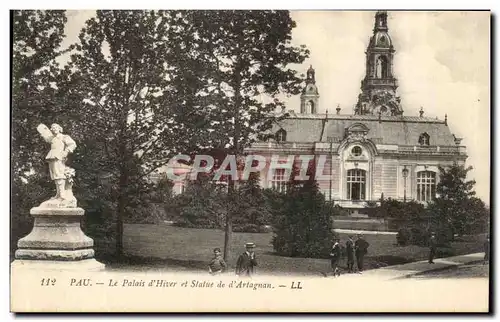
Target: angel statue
point(60, 146)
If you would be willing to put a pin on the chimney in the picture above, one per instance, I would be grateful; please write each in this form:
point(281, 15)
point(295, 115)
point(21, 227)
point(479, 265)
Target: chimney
point(446, 119)
point(338, 109)
point(421, 111)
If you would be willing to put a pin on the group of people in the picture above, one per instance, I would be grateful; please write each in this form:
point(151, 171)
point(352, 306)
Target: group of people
point(245, 265)
point(353, 249)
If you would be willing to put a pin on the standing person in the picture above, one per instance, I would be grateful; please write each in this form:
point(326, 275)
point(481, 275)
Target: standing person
point(217, 264)
point(486, 250)
point(432, 248)
point(349, 246)
point(360, 248)
point(335, 257)
point(246, 262)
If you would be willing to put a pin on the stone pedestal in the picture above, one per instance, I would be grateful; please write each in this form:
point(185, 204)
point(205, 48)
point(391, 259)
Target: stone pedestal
point(56, 241)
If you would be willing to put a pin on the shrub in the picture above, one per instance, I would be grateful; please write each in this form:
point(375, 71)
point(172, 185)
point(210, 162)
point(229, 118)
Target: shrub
point(303, 226)
point(403, 237)
point(246, 228)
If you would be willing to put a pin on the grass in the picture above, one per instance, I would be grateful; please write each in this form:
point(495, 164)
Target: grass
point(162, 247)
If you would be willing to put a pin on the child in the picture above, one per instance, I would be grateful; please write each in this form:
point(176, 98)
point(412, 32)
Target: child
point(217, 264)
point(335, 257)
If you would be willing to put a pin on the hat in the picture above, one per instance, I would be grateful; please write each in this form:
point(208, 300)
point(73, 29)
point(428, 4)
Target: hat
point(249, 245)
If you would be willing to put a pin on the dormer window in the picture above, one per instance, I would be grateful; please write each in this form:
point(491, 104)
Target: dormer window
point(281, 135)
point(423, 139)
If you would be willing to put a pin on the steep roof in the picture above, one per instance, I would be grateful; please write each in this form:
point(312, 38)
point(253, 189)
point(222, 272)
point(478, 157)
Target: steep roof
point(400, 130)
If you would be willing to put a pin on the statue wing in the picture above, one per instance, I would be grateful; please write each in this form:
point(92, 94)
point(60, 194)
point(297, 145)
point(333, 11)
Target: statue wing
point(44, 132)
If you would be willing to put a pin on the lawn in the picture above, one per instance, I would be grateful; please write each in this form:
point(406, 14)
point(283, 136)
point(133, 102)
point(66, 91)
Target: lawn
point(163, 247)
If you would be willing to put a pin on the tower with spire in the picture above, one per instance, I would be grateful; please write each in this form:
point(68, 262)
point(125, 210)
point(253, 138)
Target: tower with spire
point(378, 88)
point(309, 99)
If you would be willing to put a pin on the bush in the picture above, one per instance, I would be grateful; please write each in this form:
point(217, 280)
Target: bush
point(403, 237)
point(249, 228)
point(303, 225)
point(419, 236)
point(147, 214)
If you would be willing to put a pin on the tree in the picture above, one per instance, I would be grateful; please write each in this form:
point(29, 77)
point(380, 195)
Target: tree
point(202, 205)
point(252, 208)
point(247, 54)
point(36, 40)
point(304, 227)
point(132, 89)
point(456, 210)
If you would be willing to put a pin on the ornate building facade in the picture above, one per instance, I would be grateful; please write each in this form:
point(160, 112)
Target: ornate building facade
point(375, 152)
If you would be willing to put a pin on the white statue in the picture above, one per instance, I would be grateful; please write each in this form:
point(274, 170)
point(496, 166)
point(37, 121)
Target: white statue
point(60, 146)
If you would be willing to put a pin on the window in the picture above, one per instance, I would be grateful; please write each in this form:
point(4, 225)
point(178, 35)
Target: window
point(426, 185)
point(279, 182)
point(281, 135)
point(423, 139)
point(356, 151)
point(356, 184)
point(382, 67)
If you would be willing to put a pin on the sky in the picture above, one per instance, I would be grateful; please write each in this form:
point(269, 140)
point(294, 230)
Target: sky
point(442, 63)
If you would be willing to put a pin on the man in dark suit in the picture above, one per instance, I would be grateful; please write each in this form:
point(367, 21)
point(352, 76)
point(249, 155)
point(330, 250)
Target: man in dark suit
point(349, 246)
point(432, 248)
point(246, 261)
point(360, 248)
point(486, 250)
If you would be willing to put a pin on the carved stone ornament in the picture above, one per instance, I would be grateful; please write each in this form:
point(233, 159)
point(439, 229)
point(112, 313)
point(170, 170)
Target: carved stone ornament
point(357, 133)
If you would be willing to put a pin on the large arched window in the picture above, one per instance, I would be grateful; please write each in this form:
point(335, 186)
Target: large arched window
point(356, 184)
point(426, 185)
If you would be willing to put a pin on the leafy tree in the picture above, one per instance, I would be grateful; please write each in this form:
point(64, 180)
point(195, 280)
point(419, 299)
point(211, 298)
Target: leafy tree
point(456, 210)
point(36, 42)
point(132, 89)
point(247, 55)
point(202, 205)
point(304, 227)
point(252, 208)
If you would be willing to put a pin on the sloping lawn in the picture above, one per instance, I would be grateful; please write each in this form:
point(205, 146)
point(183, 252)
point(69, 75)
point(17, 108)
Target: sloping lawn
point(162, 247)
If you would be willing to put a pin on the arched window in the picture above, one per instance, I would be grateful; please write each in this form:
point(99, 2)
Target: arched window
point(382, 67)
point(356, 184)
point(281, 135)
point(424, 139)
point(426, 185)
point(310, 108)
